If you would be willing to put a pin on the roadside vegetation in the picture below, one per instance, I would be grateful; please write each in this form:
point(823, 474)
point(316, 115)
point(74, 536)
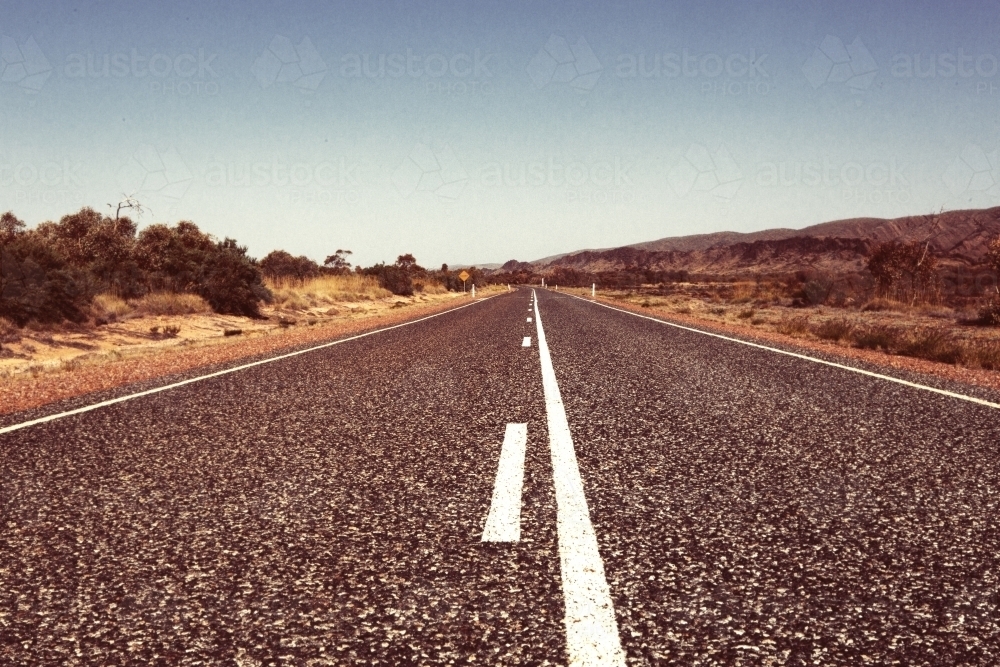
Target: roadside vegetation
point(90, 269)
point(92, 288)
point(905, 302)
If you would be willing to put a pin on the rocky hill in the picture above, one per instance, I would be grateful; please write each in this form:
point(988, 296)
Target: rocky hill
point(957, 237)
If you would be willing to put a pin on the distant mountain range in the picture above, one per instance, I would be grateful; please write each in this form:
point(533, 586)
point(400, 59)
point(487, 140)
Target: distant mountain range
point(957, 237)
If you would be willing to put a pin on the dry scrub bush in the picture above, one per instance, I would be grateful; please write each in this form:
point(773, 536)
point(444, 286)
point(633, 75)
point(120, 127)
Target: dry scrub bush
point(990, 313)
point(169, 303)
point(744, 293)
point(876, 337)
point(109, 308)
point(983, 354)
point(795, 326)
point(933, 344)
point(835, 330)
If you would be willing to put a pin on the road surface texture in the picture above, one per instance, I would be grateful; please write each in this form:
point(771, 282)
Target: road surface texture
point(329, 508)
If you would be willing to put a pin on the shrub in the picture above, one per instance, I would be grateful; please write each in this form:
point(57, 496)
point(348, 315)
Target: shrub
point(933, 344)
point(100, 247)
point(37, 284)
point(232, 283)
point(232, 332)
point(990, 313)
point(876, 337)
point(183, 259)
point(280, 265)
point(746, 313)
point(396, 280)
point(109, 308)
point(9, 332)
point(836, 330)
point(398, 277)
point(816, 292)
point(795, 326)
point(984, 355)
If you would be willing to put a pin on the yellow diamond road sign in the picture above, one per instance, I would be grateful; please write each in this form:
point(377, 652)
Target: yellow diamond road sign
point(464, 275)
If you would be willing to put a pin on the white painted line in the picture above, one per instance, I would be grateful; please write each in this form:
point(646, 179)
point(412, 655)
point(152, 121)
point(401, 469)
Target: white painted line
point(889, 378)
point(122, 399)
point(591, 627)
point(529, 319)
point(526, 342)
point(503, 523)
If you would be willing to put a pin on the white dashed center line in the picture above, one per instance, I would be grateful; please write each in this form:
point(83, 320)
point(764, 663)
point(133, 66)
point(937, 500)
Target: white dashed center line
point(503, 523)
point(529, 319)
point(591, 627)
point(526, 342)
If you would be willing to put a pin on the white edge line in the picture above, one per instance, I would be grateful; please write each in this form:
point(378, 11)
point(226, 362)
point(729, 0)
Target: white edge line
point(592, 638)
point(155, 390)
point(503, 523)
point(943, 392)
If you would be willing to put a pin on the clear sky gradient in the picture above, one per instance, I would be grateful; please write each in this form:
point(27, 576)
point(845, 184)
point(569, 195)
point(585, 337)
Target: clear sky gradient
point(471, 132)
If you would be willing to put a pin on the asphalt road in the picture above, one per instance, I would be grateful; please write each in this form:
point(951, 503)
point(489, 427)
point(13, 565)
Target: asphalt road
point(743, 507)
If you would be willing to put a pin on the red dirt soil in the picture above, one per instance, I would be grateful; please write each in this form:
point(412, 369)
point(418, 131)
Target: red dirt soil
point(30, 392)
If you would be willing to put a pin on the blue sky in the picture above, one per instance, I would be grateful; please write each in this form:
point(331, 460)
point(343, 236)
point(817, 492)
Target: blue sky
point(468, 132)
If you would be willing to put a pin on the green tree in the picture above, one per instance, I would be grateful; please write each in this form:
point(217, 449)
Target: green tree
point(337, 262)
point(36, 283)
point(281, 265)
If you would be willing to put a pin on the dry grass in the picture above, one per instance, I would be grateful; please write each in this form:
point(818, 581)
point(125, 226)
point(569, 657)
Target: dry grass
point(981, 354)
point(169, 303)
point(109, 307)
point(9, 333)
point(881, 305)
point(835, 330)
point(428, 286)
point(744, 293)
point(325, 290)
point(793, 326)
